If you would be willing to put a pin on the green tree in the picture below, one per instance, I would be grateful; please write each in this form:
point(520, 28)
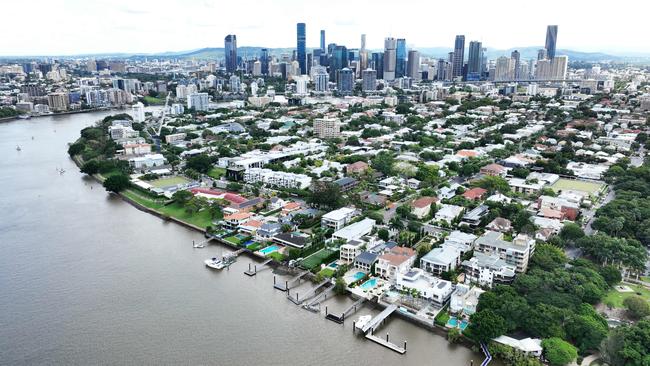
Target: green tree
point(611, 274)
point(453, 335)
point(201, 163)
point(571, 232)
point(182, 197)
point(90, 167)
point(637, 307)
point(486, 324)
point(383, 162)
point(383, 234)
point(339, 286)
point(558, 352)
point(117, 183)
point(325, 194)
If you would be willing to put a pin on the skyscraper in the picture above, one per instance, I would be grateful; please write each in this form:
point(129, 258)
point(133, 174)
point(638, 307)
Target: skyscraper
point(474, 61)
point(230, 52)
point(264, 59)
point(322, 39)
point(377, 63)
point(338, 61)
point(459, 56)
point(301, 47)
point(541, 54)
point(369, 77)
point(551, 40)
point(400, 64)
point(345, 83)
point(390, 58)
point(413, 69)
point(516, 64)
point(363, 54)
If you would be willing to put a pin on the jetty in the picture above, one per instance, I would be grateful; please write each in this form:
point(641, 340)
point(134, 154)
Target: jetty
point(369, 330)
point(307, 296)
point(290, 283)
point(378, 320)
point(314, 304)
point(253, 271)
point(347, 312)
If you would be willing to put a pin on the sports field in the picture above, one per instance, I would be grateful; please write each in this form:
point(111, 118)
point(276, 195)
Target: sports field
point(577, 185)
point(316, 259)
point(168, 182)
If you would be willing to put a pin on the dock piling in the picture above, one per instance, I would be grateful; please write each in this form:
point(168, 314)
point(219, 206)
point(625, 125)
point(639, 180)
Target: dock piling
point(354, 325)
point(273, 280)
point(405, 345)
point(326, 310)
point(386, 337)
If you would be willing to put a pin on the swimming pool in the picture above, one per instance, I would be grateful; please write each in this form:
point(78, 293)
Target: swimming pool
point(249, 242)
point(463, 324)
point(452, 322)
point(357, 276)
point(269, 250)
point(333, 265)
point(241, 236)
point(369, 285)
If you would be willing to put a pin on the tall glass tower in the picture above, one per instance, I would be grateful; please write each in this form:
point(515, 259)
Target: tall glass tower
point(301, 48)
point(474, 61)
point(459, 56)
point(230, 52)
point(400, 65)
point(322, 39)
point(551, 40)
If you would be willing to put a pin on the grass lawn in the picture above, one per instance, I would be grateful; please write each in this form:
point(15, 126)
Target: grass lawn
point(577, 185)
point(442, 318)
point(316, 259)
point(327, 272)
point(276, 256)
point(154, 100)
point(201, 219)
point(615, 298)
point(233, 239)
point(167, 182)
point(217, 173)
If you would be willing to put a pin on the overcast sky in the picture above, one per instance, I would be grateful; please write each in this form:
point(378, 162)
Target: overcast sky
point(64, 27)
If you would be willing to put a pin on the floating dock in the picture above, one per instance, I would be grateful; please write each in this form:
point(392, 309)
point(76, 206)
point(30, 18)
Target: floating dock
point(308, 296)
point(347, 312)
point(290, 283)
point(386, 343)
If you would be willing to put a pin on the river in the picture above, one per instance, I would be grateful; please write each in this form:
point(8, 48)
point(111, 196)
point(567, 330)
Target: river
point(87, 279)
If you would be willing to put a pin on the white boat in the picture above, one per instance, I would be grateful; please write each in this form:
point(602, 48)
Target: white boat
point(24, 116)
point(215, 263)
point(199, 245)
point(362, 321)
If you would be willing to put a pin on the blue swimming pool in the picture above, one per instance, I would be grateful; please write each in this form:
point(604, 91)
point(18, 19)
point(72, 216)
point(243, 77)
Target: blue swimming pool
point(333, 265)
point(268, 250)
point(463, 324)
point(369, 285)
point(452, 322)
point(359, 275)
point(249, 242)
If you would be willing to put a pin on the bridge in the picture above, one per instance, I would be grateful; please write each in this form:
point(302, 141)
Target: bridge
point(290, 283)
point(309, 295)
point(252, 272)
point(347, 312)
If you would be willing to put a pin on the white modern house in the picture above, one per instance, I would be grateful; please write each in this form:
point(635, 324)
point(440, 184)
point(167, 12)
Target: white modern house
point(442, 259)
point(337, 219)
point(354, 231)
point(434, 289)
point(465, 299)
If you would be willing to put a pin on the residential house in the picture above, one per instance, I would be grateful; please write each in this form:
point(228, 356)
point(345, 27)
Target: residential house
point(397, 259)
point(356, 168)
point(421, 207)
point(448, 213)
point(350, 250)
point(465, 299)
point(235, 220)
point(531, 347)
point(516, 252)
point(475, 194)
point(495, 170)
point(365, 260)
point(268, 230)
point(346, 183)
point(488, 270)
point(462, 241)
point(500, 224)
point(442, 259)
point(291, 239)
point(354, 231)
point(558, 208)
point(434, 289)
point(337, 219)
point(474, 217)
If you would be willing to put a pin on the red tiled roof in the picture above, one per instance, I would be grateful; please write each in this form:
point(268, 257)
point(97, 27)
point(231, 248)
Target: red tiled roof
point(474, 193)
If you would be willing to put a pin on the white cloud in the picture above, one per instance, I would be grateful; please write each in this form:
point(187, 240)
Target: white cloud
point(76, 26)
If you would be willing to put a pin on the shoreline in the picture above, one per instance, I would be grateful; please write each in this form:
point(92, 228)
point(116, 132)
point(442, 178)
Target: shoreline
point(433, 328)
point(14, 118)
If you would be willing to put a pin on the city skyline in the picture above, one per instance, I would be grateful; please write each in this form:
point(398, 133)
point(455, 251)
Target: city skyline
point(122, 27)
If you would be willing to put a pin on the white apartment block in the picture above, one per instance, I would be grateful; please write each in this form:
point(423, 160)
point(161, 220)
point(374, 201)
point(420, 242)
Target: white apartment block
point(277, 179)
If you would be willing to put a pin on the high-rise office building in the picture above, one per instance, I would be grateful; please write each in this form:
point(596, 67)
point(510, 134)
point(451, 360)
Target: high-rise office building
point(474, 61)
point(322, 39)
point(230, 52)
point(264, 59)
point(338, 61)
point(400, 64)
point(516, 58)
point(504, 69)
point(301, 47)
point(363, 54)
point(377, 63)
point(321, 78)
point(198, 101)
point(551, 40)
point(413, 69)
point(369, 80)
point(459, 56)
point(345, 82)
point(541, 54)
point(390, 58)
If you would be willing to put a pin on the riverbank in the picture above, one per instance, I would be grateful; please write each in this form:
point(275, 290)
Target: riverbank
point(106, 109)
